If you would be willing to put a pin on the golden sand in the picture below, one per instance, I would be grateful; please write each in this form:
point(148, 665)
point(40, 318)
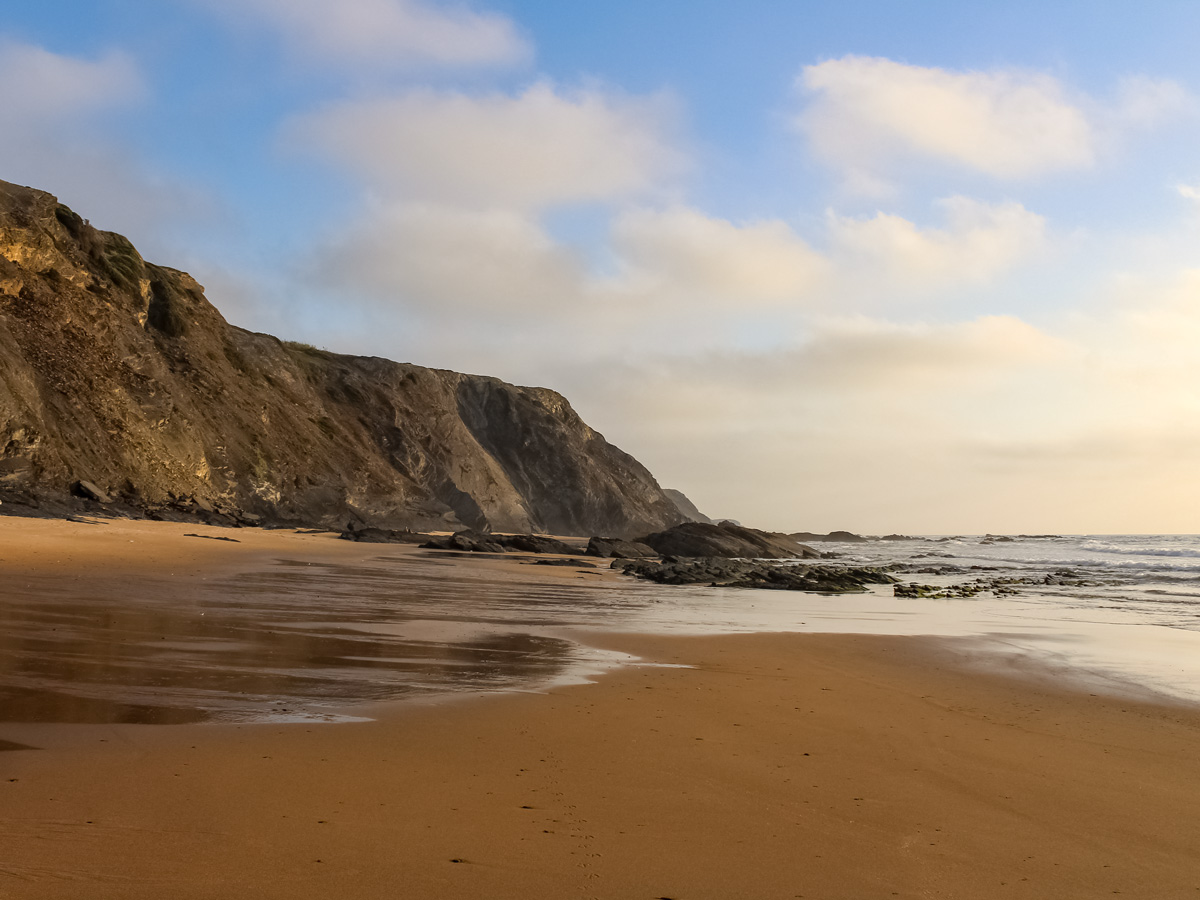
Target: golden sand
point(751, 766)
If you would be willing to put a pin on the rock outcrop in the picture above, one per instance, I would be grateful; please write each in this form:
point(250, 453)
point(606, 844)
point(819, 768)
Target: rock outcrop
point(744, 573)
point(615, 548)
point(726, 540)
point(475, 542)
point(122, 387)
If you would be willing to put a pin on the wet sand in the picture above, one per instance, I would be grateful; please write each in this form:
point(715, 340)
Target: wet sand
point(819, 766)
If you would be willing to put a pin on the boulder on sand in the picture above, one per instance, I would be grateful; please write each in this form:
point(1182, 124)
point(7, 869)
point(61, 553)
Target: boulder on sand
point(478, 542)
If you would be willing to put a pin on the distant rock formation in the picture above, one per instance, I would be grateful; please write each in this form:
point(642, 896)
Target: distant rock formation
point(123, 388)
point(844, 537)
point(686, 506)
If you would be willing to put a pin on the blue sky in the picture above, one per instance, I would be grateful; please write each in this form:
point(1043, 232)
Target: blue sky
point(889, 267)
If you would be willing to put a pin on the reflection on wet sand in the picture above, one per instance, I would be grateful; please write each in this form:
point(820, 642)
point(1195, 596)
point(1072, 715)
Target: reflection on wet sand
point(305, 640)
point(294, 643)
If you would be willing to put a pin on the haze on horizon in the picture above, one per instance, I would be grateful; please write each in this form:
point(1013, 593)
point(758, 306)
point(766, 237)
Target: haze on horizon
point(861, 266)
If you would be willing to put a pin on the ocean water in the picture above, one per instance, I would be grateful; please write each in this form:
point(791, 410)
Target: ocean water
point(1120, 613)
point(1146, 579)
point(303, 642)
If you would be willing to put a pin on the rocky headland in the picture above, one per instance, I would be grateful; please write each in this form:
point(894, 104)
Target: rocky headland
point(124, 390)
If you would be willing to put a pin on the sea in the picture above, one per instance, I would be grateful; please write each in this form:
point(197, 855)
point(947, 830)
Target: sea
point(316, 642)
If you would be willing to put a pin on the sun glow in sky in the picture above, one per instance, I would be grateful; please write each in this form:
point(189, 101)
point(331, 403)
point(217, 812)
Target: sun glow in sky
point(924, 267)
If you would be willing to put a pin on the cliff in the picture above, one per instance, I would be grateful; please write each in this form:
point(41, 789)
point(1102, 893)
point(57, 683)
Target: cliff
point(120, 381)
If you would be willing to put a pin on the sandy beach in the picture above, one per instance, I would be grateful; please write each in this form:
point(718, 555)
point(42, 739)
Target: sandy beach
point(757, 766)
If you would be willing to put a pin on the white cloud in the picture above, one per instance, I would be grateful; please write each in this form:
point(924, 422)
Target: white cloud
point(980, 242)
point(1188, 192)
point(1006, 123)
point(682, 250)
point(42, 86)
point(892, 356)
point(1143, 101)
point(538, 149)
point(443, 262)
point(61, 133)
point(386, 33)
point(496, 278)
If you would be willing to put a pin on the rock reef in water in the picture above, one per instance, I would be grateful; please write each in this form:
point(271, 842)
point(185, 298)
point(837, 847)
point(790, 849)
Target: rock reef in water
point(722, 572)
point(123, 389)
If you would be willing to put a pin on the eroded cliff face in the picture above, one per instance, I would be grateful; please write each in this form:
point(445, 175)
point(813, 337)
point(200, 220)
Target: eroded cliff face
point(120, 373)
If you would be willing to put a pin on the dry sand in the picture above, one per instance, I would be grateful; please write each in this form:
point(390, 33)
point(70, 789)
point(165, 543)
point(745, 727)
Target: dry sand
point(774, 766)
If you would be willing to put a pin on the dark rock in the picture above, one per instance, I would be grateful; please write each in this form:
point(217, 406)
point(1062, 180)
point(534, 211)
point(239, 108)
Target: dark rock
point(615, 548)
point(466, 541)
point(89, 491)
point(726, 540)
point(122, 369)
point(725, 572)
point(214, 537)
point(578, 563)
point(370, 535)
point(478, 542)
point(901, 537)
point(999, 586)
point(533, 543)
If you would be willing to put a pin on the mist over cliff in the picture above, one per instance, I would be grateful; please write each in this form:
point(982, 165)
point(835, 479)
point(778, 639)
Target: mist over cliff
point(121, 383)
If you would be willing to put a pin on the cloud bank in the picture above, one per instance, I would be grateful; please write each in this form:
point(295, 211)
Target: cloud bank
point(869, 117)
point(536, 149)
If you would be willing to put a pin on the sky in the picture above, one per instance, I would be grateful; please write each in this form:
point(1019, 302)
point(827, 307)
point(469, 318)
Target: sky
point(925, 268)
